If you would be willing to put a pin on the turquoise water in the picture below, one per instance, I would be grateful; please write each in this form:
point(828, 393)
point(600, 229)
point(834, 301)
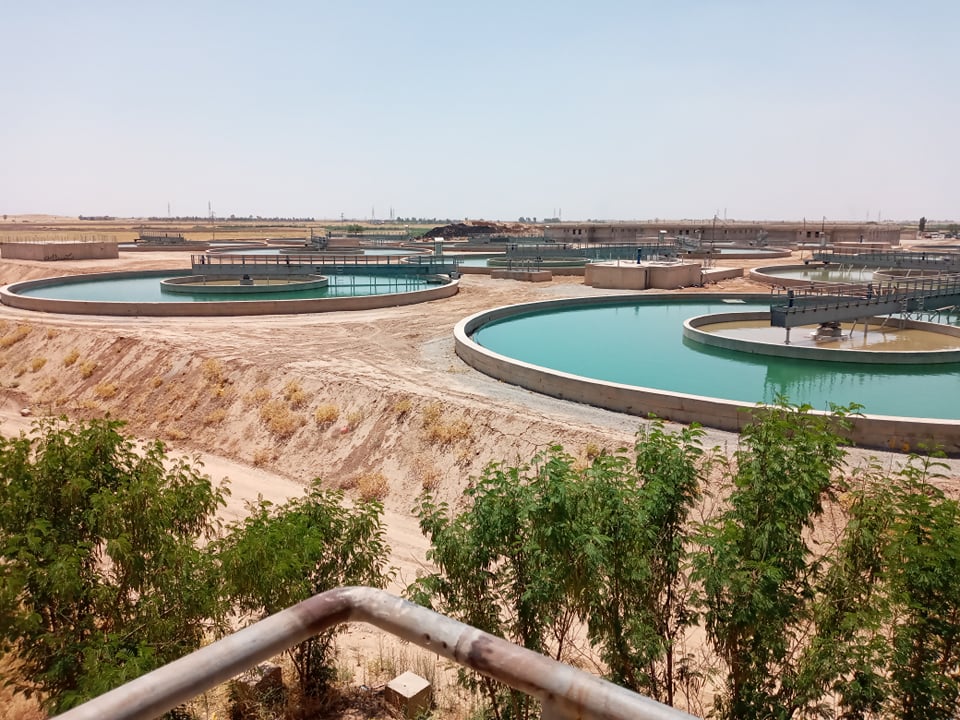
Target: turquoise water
point(817, 273)
point(148, 289)
point(642, 344)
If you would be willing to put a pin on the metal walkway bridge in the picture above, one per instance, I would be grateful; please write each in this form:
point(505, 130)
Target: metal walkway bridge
point(594, 251)
point(793, 307)
point(322, 264)
point(946, 262)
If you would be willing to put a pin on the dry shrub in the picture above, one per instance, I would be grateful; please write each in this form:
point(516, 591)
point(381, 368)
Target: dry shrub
point(402, 407)
point(52, 333)
point(372, 486)
point(215, 417)
point(70, 358)
point(37, 364)
point(156, 382)
point(442, 431)
point(222, 391)
point(354, 418)
point(257, 397)
point(21, 369)
point(293, 393)
point(262, 456)
point(87, 368)
point(428, 473)
point(12, 337)
point(326, 414)
point(171, 432)
point(279, 419)
point(592, 451)
point(105, 390)
point(212, 371)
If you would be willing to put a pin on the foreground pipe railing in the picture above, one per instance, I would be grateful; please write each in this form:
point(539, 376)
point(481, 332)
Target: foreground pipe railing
point(565, 692)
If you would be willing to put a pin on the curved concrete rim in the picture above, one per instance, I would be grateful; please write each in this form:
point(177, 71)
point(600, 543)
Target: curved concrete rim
point(756, 254)
point(9, 296)
point(692, 331)
point(888, 432)
point(761, 274)
point(197, 285)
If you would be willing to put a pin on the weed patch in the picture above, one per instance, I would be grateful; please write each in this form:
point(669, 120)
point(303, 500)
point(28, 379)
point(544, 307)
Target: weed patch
point(280, 420)
point(440, 430)
point(326, 414)
point(105, 390)
point(373, 486)
point(14, 336)
point(293, 393)
point(87, 368)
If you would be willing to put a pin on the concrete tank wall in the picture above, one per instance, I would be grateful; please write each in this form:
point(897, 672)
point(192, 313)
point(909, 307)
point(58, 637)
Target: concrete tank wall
point(9, 296)
point(59, 251)
point(877, 431)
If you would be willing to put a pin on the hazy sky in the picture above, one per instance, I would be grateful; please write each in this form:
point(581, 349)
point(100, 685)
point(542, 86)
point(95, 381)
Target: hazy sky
point(762, 109)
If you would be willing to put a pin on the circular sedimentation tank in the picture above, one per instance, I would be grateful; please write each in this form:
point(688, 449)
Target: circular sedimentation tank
point(629, 353)
point(148, 293)
point(800, 275)
point(728, 252)
point(874, 341)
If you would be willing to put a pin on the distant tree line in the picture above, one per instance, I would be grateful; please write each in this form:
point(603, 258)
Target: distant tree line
point(241, 218)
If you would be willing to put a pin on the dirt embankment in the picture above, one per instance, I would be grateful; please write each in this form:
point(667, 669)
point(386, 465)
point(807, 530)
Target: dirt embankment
point(339, 396)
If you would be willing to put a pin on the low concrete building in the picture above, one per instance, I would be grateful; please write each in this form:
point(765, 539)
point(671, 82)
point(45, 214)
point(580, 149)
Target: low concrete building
point(629, 275)
point(732, 232)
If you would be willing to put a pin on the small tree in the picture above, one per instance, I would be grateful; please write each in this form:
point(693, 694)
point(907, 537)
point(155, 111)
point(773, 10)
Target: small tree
point(923, 224)
point(754, 561)
point(494, 572)
point(281, 555)
point(102, 576)
point(548, 543)
point(923, 568)
point(638, 599)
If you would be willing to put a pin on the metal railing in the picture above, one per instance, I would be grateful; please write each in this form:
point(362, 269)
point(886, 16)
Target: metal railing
point(316, 263)
point(918, 260)
point(565, 693)
point(833, 301)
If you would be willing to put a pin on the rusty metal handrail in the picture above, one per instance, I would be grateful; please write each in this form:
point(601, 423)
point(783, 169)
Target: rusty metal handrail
point(564, 692)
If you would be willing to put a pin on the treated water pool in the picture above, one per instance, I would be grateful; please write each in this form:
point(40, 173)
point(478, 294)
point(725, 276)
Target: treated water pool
point(148, 289)
point(641, 343)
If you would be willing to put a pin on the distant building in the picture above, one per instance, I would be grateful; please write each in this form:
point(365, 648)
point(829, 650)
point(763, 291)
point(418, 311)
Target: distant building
point(737, 233)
